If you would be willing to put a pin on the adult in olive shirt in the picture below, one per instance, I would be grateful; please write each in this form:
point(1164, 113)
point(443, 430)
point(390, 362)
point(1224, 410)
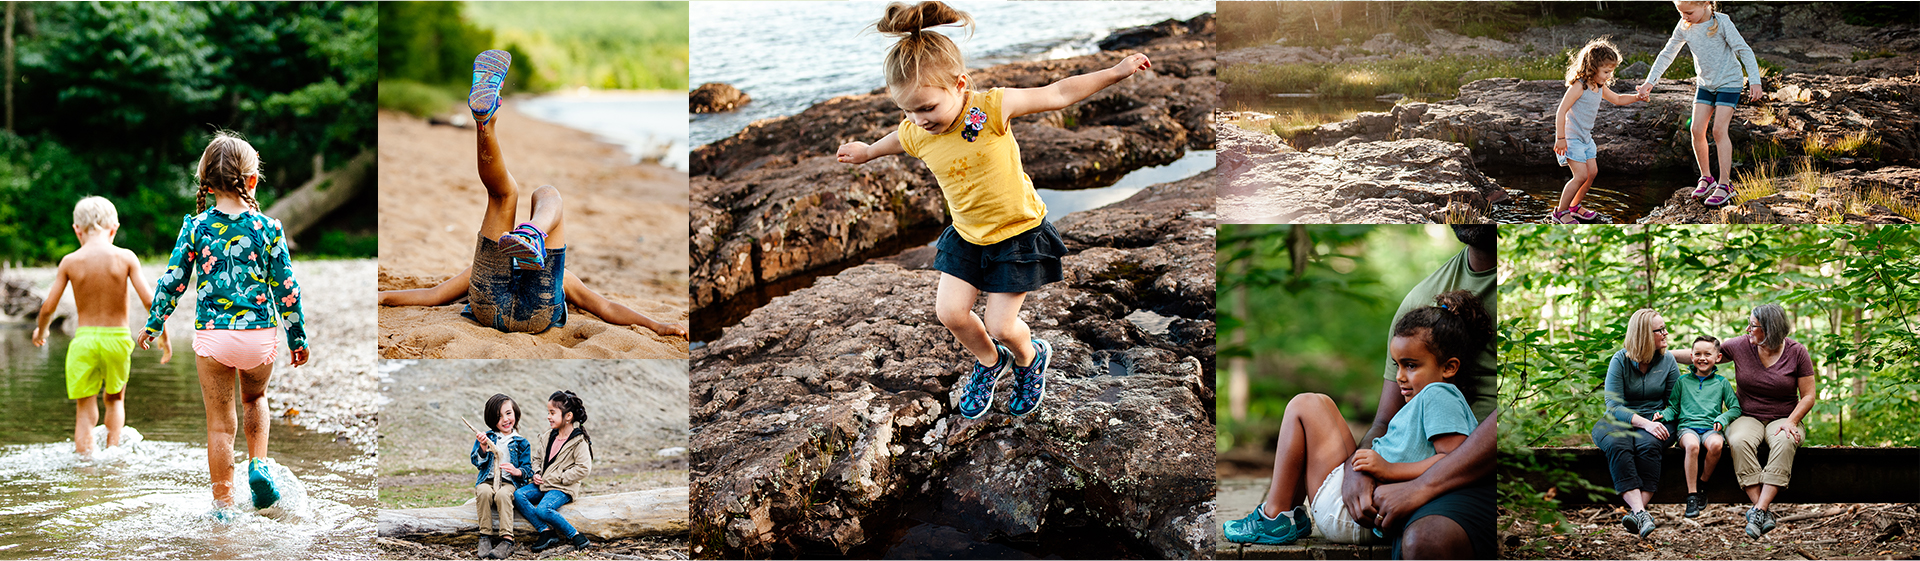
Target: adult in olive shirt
point(1774, 380)
point(1640, 378)
point(1449, 511)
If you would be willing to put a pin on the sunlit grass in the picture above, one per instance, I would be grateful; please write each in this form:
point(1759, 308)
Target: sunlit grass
point(1754, 184)
point(1290, 124)
point(1764, 116)
point(1859, 143)
point(1459, 212)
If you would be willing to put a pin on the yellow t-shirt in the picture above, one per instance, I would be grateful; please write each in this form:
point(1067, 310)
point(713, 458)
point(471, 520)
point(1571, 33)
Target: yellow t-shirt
point(978, 166)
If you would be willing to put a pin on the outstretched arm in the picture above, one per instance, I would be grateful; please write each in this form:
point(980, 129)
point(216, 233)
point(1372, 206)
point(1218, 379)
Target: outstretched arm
point(48, 307)
point(1471, 461)
point(1608, 94)
point(1025, 101)
point(861, 152)
point(445, 292)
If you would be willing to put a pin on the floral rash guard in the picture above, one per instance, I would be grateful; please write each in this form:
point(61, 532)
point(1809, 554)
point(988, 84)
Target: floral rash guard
point(246, 275)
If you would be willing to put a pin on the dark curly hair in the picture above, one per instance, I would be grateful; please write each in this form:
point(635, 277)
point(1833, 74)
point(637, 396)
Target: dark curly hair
point(1458, 326)
point(492, 414)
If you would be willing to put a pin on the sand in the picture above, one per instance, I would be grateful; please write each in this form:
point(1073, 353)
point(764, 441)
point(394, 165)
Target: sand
point(626, 236)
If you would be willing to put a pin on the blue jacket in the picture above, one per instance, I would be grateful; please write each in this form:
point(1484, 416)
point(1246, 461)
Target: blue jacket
point(519, 455)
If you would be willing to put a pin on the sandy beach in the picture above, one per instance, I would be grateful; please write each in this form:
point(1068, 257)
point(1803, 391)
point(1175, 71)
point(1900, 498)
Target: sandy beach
point(626, 237)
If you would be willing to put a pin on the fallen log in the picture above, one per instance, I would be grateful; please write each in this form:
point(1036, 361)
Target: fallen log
point(326, 191)
point(655, 512)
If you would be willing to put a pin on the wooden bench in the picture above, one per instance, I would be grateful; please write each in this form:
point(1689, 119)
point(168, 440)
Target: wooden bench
point(1820, 475)
point(1310, 548)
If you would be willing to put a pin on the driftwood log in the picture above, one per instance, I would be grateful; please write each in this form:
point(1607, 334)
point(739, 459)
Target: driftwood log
point(654, 512)
point(326, 191)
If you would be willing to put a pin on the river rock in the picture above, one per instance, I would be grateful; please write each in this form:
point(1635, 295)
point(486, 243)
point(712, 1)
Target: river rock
point(824, 413)
point(1159, 33)
point(771, 202)
point(715, 97)
point(1847, 196)
point(1377, 182)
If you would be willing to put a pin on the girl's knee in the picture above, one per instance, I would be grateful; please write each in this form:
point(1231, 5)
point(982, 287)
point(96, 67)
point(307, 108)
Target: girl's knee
point(1311, 401)
point(954, 317)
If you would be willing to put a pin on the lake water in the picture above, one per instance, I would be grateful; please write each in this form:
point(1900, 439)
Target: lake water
point(647, 125)
point(152, 499)
point(790, 55)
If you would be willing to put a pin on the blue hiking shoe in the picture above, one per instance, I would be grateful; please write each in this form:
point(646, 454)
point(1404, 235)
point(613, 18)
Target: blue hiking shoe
point(1258, 529)
point(260, 479)
point(1030, 383)
point(979, 393)
point(527, 246)
point(489, 73)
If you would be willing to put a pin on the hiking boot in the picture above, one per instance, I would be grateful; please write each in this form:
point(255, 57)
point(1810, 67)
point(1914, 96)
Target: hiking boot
point(978, 396)
point(1631, 522)
point(527, 245)
point(1695, 502)
point(546, 540)
point(260, 479)
point(489, 74)
point(1256, 528)
point(580, 542)
point(504, 549)
point(1767, 522)
point(484, 549)
point(1646, 523)
point(1030, 383)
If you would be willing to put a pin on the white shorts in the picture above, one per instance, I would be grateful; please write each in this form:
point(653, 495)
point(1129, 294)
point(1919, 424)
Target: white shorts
point(1330, 517)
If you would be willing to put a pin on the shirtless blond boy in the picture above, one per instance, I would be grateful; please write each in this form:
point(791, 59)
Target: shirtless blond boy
point(99, 356)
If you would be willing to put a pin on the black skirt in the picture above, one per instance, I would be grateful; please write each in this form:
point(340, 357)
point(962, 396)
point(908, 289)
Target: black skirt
point(1022, 263)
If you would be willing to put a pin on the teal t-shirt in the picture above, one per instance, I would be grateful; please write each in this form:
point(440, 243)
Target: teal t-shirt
point(1437, 410)
point(1482, 391)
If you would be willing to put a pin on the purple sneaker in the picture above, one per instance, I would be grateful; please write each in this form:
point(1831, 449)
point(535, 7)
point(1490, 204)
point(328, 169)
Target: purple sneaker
point(1706, 184)
point(1562, 217)
point(1721, 195)
point(1582, 214)
point(489, 74)
point(527, 246)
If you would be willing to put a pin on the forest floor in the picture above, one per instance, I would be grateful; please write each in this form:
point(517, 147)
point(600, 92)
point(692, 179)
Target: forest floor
point(1824, 531)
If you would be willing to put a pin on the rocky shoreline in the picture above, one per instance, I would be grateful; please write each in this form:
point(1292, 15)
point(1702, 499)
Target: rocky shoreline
point(835, 403)
point(771, 203)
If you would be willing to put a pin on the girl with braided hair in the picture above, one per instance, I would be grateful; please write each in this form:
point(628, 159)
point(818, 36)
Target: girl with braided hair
point(246, 289)
point(1430, 346)
point(567, 460)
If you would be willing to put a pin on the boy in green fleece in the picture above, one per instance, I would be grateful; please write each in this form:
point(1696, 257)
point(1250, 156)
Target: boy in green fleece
point(1703, 403)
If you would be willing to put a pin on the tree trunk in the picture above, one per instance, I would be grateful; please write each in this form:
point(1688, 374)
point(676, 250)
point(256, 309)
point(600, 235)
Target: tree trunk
point(655, 512)
point(321, 195)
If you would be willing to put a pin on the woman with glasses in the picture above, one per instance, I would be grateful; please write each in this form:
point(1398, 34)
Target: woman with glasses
point(1639, 379)
point(1774, 380)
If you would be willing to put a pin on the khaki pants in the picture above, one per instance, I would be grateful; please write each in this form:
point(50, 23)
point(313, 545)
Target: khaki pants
point(490, 498)
point(1743, 438)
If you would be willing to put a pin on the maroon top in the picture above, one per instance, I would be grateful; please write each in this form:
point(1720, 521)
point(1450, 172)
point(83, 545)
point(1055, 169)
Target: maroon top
point(1767, 394)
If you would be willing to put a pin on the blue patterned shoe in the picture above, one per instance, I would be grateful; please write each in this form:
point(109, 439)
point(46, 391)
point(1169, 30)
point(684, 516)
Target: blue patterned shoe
point(1280, 530)
point(1030, 383)
point(979, 394)
point(527, 246)
point(260, 479)
point(489, 73)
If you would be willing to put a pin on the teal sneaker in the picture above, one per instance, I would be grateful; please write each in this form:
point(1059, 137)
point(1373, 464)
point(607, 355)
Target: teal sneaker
point(527, 245)
point(260, 479)
point(489, 74)
point(1258, 529)
point(979, 393)
point(1030, 383)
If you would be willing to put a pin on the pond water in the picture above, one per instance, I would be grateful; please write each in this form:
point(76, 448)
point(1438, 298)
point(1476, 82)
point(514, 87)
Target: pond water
point(152, 498)
point(648, 125)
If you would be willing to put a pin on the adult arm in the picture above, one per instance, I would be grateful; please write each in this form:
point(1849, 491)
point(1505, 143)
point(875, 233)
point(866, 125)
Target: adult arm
point(1808, 395)
point(1613, 394)
point(1471, 461)
point(1357, 488)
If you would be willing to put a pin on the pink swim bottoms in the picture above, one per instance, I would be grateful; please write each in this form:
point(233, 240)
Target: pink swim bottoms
point(244, 349)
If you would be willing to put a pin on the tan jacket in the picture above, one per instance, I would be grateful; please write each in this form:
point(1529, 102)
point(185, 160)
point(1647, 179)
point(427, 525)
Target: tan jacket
point(564, 471)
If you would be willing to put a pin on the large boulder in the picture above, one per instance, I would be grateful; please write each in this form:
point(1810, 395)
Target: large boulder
point(1380, 182)
point(1886, 196)
point(770, 202)
point(825, 413)
point(715, 97)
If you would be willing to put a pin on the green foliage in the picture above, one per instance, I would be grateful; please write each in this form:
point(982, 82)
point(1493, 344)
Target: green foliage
point(1319, 328)
point(603, 45)
point(119, 100)
point(1853, 293)
point(420, 100)
point(429, 43)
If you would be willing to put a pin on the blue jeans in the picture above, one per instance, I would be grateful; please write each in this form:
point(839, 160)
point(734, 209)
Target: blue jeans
point(542, 509)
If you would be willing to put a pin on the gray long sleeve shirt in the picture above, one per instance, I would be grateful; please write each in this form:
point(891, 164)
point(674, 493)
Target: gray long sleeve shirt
point(1628, 392)
point(1718, 54)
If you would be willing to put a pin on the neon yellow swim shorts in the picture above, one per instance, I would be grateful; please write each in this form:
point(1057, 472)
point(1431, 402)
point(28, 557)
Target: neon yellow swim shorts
point(98, 359)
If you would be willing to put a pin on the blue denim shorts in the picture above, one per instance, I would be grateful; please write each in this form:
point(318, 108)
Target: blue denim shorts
point(1703, 433)
point(1022, 263)
point(513, 300)
point(1717, 98)
point(1578, 149)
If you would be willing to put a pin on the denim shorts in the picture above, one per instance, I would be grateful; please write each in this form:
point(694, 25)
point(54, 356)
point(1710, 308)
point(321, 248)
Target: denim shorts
point(1703, 433)
point(513, 300)
point(1578, 149)
point(1717, 98)
point(1022, 263)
